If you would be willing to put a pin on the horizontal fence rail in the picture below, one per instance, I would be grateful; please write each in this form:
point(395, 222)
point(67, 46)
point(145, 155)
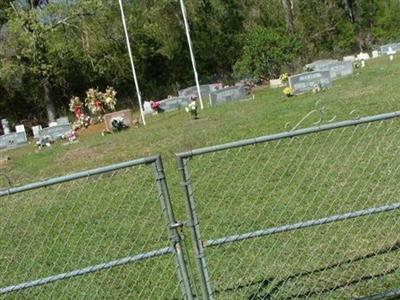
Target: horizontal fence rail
point(309, 213)
point(71, 231)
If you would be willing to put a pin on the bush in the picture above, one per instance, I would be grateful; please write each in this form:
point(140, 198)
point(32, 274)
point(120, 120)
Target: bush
point(265, 52)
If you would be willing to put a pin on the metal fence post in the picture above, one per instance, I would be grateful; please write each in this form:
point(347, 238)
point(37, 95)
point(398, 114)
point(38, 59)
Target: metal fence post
point(194, 227)
point(173, 228)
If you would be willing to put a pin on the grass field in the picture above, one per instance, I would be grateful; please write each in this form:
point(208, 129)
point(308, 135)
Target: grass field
point(94, 220)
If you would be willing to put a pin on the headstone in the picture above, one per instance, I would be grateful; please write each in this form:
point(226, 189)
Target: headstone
point(52, 124)
point(363, 56)
point(6, 128)
point(385, 49)
point(55, 132)
point(351, 58)
point(125, 114)
point(276, 83)
point(12, 140)
point(205, 90)
point(147, 108)
point(62, 120)
point(338, 69)
point(375, 54)
point(231, 94)
point(21, 128)
point(319, 64)
point(35, 130)
point(305, 82)
point(175, 103)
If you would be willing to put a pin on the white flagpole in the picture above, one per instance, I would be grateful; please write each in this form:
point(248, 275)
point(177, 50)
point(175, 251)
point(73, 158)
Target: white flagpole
point(128, 44)
point(191, 52)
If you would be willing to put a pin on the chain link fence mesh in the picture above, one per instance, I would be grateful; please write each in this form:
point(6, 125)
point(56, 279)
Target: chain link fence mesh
point(99, 226)
point(240, 192)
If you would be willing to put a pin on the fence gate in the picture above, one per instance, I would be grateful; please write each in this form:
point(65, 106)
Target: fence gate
point(93, 234)
point(311, 213)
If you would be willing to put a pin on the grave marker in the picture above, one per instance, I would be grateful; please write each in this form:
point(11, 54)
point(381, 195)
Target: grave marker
point(319, 64)
point(175, 103)
point(55, 132)
point(62, 120)
point(338, 69)
point(305, 82)
point(126, 114)
point(231, 94)
point(385, 49)
point(205, 90)
point(351, 58)
point(35, 130)
point(13, 140)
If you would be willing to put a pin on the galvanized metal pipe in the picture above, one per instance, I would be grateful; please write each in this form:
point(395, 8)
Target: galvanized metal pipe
point(289, 134)
point(175, 237)
point(87, 270)
point(79, 175)
point(300, 225)
point(195, 230)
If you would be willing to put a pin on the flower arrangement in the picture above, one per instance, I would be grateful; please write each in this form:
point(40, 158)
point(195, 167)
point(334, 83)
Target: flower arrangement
point(192, 108)
point(70, 136)
point(316, 88)
point(109, 98)
point(94, 103)
point(75, 106)
point(284, 77)
point(83, 121)
point(288, 91)
point(99, 103)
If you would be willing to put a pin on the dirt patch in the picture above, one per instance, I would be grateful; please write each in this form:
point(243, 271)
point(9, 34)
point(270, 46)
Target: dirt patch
point(92, 129)
point(74, 156)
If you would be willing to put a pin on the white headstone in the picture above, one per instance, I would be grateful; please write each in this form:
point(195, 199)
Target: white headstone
point(351, 58)
point(147, 108)
point(275, 83)
point(4, 124)
point(35, 130)
point(375, 54)
point(20, 128)
point(363, 56)
point(52, 124)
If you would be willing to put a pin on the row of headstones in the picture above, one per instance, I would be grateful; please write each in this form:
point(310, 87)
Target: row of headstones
point(216, 93)
point(324, 71)
point(19, 138)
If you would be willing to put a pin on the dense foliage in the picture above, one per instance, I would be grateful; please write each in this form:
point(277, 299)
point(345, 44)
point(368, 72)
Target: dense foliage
point(51, 50)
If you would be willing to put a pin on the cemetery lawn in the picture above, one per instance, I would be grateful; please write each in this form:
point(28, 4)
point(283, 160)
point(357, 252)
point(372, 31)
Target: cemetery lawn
point(31, 239)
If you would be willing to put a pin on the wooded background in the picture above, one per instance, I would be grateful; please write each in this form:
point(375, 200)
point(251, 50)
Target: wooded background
point(52, 50)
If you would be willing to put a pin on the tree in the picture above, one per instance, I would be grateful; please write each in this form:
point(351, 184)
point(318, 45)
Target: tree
point(265, 53)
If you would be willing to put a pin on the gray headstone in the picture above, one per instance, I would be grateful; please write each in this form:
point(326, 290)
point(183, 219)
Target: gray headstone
point(385, 49)
point(62, 121)
point(338, 69)
point(13, 140)
point(319, 64)
point(305, 82)
point(175, 103)
point(55, 132)
point(231, 94)
point(205, 90)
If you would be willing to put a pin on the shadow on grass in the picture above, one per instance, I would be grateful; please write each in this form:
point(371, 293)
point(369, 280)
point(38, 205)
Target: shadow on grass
point(276, 287)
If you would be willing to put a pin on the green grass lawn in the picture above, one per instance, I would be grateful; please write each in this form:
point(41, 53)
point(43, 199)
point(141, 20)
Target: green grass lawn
point(94, 220)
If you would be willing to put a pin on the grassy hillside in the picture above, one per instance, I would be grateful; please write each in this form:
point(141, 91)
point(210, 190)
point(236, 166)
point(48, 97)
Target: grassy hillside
point(98, 219)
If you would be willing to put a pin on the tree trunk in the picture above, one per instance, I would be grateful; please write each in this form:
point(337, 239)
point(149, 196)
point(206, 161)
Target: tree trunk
point(287, 7)
point(50, 108)
point(350, 9)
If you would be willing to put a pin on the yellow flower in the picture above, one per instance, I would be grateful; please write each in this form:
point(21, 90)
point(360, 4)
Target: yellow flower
point(288, 91)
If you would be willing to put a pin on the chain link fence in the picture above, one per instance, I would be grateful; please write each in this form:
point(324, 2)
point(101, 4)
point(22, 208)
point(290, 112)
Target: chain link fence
point(104, 233)
point(312, 213)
